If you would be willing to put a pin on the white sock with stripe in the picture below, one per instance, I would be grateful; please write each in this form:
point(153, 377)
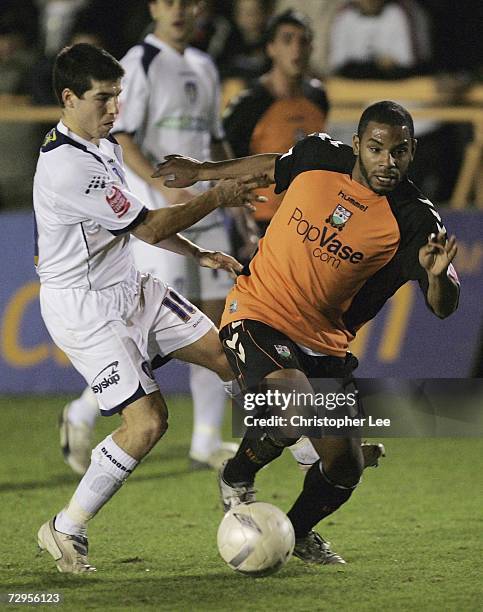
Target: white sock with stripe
point(110, 467)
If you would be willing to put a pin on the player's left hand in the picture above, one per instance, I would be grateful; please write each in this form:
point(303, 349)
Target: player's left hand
point(438, 253)
point(217, 260)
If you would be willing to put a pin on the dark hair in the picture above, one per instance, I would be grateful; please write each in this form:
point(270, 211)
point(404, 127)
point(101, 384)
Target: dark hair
point(288, 17)
point(75, 67)
point(386, 112)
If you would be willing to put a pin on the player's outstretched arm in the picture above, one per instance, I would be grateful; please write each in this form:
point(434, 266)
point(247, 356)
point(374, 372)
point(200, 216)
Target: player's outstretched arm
point(216, 260)
point(182, 171)
point(443, 290)
point(163, 223)
point(138, 162)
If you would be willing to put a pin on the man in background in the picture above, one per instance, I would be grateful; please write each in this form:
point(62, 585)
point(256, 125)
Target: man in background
point(283, 106)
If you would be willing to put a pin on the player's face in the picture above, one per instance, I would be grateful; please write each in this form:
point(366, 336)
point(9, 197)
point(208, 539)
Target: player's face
point(174, 20)
point(384, 153)
point(93, 114)
point(290, 50)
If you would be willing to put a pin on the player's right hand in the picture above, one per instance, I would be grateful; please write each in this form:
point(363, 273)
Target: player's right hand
point(179, 171)
point(240, 193)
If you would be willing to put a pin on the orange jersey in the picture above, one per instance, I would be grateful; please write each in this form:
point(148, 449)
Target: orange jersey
point(334, 252)
point(256, 122)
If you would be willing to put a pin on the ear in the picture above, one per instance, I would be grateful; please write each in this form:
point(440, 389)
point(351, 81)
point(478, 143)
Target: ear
point(415, 144)
point(269, 51)
point(356, 144)
point(153, 9)
point(68, 98)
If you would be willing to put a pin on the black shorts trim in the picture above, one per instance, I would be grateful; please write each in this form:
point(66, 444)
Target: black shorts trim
point(159, 361)
point(255, 349)
point(138, 394)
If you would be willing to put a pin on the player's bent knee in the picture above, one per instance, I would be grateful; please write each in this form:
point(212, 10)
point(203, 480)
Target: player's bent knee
point(151, 430)
point(147, 419)
point(345, 471)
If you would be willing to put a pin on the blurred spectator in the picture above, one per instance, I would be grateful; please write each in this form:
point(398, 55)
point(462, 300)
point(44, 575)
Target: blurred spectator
point(41, 89)
point(320, 13)
point(26, 13)
point(388, 39)
point(212, 30)
point(120, 24)
point(15, 57)
point(16, 60)
point(282, 107)
point(379, 39)
point(56, 21)
point(244, 55)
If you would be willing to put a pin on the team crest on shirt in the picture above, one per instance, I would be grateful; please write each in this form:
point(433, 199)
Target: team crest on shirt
point(339, 217)
point(233, 306)
point(283, 351)
point(191, 91)
point(50, 137)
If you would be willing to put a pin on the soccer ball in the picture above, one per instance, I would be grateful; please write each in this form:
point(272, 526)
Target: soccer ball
point(256, 539)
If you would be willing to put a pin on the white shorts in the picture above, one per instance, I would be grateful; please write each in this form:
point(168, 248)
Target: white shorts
point(183, 274)
point(114, 336)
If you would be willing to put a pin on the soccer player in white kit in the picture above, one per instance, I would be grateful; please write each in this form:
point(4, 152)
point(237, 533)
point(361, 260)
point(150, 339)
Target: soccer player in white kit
point(112, 321)
point(170, 104)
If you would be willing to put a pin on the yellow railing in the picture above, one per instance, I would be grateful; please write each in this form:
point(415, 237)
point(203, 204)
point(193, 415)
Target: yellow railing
point(348, 98)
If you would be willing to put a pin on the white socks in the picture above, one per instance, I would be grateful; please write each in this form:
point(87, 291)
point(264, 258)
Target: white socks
point(209, 400)
point(232, 389)
point(84, 409)
point(109, 468)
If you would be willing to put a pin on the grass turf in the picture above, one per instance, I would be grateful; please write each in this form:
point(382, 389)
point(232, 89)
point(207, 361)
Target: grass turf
point(411, 532)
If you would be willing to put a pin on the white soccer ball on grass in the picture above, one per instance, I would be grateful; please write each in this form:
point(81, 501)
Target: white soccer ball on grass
point(256, 539)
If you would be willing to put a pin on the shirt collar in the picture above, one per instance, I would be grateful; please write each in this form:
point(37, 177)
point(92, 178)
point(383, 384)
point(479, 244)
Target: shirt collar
point(63, 129)
point(151, 39)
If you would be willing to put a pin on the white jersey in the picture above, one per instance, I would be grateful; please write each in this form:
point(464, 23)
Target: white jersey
point(170, 102)
point(83, 213)
point(358, 37)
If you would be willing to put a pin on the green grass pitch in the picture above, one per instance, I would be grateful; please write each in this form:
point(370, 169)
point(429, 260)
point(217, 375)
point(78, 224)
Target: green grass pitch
point(411, 533)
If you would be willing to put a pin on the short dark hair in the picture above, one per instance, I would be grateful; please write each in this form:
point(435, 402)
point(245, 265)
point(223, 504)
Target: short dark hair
point(288, 17)
point(388, 112)
point(76, 66)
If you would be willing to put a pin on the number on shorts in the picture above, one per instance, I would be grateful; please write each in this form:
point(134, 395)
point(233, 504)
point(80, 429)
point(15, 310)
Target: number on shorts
point(178, 306)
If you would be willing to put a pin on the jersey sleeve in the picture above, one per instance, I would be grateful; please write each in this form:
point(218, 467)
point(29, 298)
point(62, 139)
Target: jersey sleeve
point(239, 121)
point(89, 195)
point(426, 220)
point(317, 94)
point(315, 152)
point(134, 96)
